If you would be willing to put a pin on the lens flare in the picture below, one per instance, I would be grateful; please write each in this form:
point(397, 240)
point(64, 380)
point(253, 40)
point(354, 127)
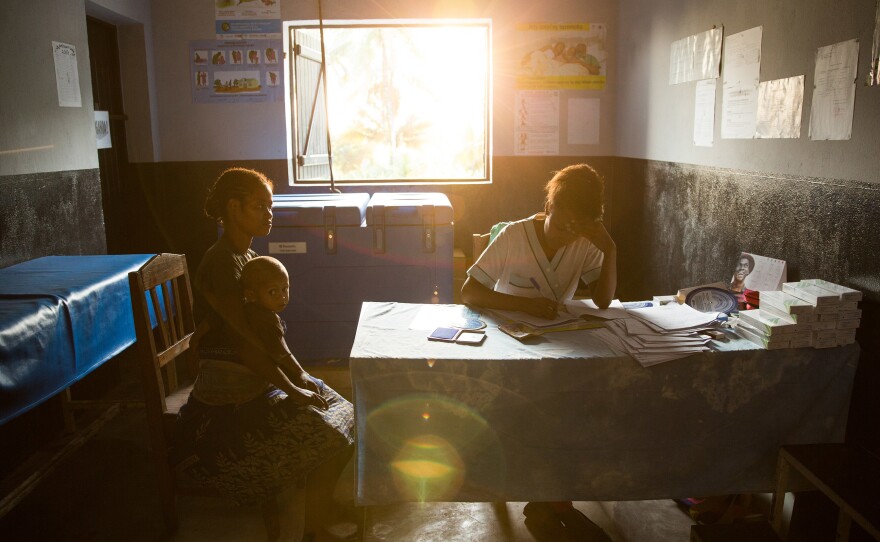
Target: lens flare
point(427, 468)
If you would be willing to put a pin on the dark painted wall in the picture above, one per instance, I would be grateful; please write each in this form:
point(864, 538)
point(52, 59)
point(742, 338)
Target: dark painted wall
point(680, 225)
point(44, 214)
point(170, 217)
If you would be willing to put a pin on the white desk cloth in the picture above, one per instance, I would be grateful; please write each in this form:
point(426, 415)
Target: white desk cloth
point(563, 417)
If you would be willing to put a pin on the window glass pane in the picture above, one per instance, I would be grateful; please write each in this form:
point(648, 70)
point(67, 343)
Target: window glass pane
point(405, 102)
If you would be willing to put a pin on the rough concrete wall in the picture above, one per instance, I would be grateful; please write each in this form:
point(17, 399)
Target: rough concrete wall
point(679, 225)
point(57, 213)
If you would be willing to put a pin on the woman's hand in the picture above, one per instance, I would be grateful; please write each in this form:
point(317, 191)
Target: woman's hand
point(596, 233)
point(304, 380)
point(307, 397)
point(540, 307)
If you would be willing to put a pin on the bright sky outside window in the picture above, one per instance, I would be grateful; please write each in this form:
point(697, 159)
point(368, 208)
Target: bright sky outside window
point(408, 103)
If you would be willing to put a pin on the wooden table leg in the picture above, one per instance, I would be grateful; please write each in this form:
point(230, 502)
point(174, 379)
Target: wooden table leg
point(782, 474)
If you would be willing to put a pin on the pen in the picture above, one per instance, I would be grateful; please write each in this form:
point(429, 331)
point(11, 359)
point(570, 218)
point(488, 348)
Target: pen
point(535, 284)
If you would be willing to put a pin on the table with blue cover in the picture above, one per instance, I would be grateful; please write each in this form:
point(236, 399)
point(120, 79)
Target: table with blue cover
point(564, 417)
point(60, 318)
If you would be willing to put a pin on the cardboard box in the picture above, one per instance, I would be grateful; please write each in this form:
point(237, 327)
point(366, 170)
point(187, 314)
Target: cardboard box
point(785, 302)
point(751, 334)
point(849, 324)
point(846, 336)
point(770, 310)
point(850, 314)
point(768, 325)
point(811, 294)
point(801, 341)
point(825, 339)
point(844, 293)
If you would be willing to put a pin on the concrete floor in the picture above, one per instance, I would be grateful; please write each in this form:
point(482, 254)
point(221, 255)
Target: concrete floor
point(105, 491)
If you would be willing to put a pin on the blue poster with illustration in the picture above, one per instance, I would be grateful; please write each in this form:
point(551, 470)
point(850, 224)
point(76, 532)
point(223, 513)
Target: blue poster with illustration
point(240, 71)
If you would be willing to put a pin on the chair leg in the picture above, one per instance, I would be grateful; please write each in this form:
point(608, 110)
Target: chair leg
point(167, 494)
point(270, 518)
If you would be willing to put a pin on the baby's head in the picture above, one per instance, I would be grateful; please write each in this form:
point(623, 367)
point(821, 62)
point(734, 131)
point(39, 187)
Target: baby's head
point(264, 281)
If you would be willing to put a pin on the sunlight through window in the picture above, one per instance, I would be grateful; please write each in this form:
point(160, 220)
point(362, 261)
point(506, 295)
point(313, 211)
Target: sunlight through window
point(405, 102)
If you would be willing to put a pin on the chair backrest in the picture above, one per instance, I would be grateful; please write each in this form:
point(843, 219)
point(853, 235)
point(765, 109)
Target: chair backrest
point(161, 301)
point(480, 241)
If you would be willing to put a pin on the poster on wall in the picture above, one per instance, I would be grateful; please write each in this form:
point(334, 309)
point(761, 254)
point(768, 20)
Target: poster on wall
point(247, 19)
point(236, 71)
point(536, 131)
point(560, 56)
point(66, 74)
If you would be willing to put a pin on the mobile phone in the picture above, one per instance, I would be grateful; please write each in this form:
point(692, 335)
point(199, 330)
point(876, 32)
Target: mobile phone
point(446, 334)
point(472, 338)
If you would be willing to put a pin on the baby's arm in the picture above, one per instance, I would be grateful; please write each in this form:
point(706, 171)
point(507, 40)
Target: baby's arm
point(255, 355)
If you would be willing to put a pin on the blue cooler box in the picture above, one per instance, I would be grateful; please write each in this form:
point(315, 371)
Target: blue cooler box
point(321, 239)
point(337, 257)
point(412, 247)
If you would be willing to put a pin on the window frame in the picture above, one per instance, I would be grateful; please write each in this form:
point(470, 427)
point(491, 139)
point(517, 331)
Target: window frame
point(292, 127)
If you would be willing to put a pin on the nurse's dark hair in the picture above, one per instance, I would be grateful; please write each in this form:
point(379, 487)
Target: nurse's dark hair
point(234, 183)
point(577, 188)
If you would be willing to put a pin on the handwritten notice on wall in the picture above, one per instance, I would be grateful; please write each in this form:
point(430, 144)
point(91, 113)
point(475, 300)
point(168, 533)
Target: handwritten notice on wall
point(834, 91)
point(742, 73)
point(695, 57)
point(780, 103)
point(704, 113)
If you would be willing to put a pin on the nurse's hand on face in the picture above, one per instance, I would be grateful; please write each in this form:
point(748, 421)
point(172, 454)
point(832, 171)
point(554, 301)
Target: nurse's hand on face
point(540, 307)
point(596, 233)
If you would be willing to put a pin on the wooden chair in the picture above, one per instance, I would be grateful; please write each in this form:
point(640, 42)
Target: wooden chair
point(480, 242)
point(161, 287)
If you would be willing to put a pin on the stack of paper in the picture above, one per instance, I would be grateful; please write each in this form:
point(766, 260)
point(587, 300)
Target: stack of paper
point(576, 314)
point(656, 334)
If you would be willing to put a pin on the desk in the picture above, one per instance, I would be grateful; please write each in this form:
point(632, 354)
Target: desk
point(567, 418)
point(60, 318)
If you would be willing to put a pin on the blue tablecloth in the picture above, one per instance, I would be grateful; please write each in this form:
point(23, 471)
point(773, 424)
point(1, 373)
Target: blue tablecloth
point(564, 417)
point(60, 318)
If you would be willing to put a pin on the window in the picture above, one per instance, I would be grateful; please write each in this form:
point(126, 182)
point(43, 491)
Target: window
point(409, 102)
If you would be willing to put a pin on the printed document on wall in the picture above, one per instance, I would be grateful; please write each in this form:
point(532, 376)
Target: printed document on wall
point(742, 73)
point(704, 113)
point(536, 131)
point(834, 91)
point(695, 57)
point(780, 103)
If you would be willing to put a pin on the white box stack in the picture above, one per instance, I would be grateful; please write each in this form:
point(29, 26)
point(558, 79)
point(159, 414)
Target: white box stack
point(811, 312)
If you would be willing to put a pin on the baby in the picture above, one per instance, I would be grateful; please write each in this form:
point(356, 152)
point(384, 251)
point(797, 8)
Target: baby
point(264, 283)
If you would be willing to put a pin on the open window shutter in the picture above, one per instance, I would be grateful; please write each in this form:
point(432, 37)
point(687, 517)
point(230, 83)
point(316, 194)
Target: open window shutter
point(312, 160)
